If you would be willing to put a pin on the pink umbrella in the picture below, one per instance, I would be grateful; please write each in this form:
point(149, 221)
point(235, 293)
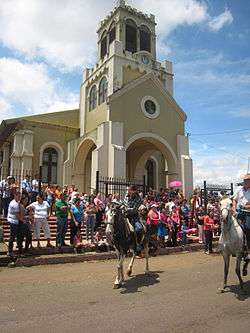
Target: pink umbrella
point(175, 183)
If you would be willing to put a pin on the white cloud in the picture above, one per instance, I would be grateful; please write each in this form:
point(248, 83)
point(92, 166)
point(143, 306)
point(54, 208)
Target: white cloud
point(30, 86)
point(63, 33)
point(220, 21)
point(5, 107)
point(218, 168)
point(171, 13)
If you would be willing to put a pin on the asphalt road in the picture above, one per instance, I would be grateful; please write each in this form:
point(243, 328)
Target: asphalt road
point(179, 296)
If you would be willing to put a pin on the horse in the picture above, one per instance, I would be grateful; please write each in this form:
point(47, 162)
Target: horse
point(121, 234)
point(231, 241)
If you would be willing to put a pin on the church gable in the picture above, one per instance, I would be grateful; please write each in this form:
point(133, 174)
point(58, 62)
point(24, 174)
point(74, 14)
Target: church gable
point(131, 104)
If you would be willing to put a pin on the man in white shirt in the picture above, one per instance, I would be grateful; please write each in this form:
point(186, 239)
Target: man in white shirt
point(241, 204)
point(35, 188)
point(13, 220)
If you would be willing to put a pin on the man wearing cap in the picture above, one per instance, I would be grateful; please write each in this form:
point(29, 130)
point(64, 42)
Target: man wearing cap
point(241, 205)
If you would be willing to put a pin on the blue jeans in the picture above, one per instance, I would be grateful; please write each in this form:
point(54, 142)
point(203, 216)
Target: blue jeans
point(62, 225)
point(90, 228)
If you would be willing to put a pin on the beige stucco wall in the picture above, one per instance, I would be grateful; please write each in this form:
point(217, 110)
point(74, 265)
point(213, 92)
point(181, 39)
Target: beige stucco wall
point(127, 109)
point(43, 134)
point(96, 117)
point(130, 75)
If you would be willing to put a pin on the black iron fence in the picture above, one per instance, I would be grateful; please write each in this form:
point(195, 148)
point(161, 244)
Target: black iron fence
point(213, 190)
point(109, 185)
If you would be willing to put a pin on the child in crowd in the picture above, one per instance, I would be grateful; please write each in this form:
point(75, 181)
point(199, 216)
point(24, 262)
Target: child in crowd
point(78, 245)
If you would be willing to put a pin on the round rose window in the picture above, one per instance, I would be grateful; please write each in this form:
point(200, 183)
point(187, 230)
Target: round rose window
point(150, 107)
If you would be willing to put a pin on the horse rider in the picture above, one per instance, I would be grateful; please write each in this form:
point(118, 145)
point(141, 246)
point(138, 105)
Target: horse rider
point(133, 203)
point(241, 207)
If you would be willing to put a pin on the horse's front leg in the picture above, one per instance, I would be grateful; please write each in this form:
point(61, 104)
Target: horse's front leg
point(237, 270)
point(226, 259)
point(119, 277)
point(130, 266)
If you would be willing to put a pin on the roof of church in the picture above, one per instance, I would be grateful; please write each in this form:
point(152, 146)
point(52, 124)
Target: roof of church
point(68, 118)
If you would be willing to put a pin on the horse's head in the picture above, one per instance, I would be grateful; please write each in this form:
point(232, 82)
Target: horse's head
point(109, 225)
point(226, 206)
point(111, 217)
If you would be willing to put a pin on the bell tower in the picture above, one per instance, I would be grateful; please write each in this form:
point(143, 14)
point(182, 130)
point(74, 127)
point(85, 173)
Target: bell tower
point(132, 28)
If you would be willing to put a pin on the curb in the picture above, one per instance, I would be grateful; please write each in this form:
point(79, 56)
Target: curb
point(77, 258)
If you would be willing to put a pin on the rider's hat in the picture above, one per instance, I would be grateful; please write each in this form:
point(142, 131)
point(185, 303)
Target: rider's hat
point(246, 177)
point(115, 202)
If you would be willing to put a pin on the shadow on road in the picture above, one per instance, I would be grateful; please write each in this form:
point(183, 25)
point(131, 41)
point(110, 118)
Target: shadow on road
point(133, 284)
point(240, 295)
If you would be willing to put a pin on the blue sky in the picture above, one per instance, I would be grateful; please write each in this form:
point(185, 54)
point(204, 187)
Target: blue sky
point(45, 44)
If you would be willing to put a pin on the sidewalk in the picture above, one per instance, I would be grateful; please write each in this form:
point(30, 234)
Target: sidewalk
point(53, 256)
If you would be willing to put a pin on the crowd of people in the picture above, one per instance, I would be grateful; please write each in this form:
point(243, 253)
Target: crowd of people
point(171, 217)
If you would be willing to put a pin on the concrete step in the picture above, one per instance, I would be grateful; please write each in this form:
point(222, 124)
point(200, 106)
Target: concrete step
point(59, 258)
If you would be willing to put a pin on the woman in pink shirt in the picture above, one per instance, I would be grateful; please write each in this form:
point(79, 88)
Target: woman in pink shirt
point(153, 219)
point(208, 230)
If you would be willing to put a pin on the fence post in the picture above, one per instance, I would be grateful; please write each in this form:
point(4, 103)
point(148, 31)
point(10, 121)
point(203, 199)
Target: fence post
point(205, 196)
point(232, 188)
point(97, 179)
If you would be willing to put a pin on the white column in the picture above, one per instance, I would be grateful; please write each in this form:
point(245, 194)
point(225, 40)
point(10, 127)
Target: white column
point(27, 152)
point(68, 164)
point(100, 156)
point(185, 165)
point(16, 156)
point(117, 152)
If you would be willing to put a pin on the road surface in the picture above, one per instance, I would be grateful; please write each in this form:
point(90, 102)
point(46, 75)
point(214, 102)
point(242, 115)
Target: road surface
point(179, 296)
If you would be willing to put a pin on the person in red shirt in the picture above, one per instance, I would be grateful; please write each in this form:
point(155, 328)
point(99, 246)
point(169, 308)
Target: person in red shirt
point(208, 231)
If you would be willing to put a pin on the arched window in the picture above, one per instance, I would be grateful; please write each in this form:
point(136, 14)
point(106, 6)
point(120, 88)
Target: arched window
point(131, 36)
point(49, 166)
point(145, 39)
point(92, 98)
point(104, 48)
point(112, 33)
point(103, 90)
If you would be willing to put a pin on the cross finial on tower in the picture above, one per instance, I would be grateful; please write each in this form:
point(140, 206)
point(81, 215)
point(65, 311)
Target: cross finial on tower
point(120, 3)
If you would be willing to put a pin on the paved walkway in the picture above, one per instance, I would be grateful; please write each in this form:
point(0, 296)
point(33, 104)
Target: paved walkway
point(179, 296)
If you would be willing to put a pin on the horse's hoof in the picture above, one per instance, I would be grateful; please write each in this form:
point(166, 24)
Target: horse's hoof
point(117, 286)
point(244, 272)
point(147, 273)
point(129, 272)
point(221, 290)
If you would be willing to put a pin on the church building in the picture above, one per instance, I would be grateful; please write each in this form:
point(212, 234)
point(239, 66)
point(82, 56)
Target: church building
point(128, 124)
